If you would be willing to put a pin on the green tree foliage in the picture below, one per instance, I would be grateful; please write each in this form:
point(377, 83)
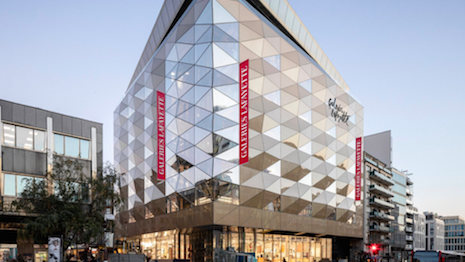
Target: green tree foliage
point(69, 202)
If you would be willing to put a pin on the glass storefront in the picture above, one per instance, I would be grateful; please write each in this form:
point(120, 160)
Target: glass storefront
point(160, 245)
point(265, 247)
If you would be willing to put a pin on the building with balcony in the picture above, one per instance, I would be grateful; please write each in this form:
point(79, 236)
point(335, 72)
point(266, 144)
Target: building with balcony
point(237, 134)
point(454, 239)
point(379, 204)
point(434, 232)
point(29, 138)
point(394, 187)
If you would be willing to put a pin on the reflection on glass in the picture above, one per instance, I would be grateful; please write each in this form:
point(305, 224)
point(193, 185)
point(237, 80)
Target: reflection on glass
point(59, 144)
point(38, 181)
point(234, 240)
point(24, 137)
point(39, 140)
point(8, 135)
point(227, 193)
point(10, 185)
point(85, 149)
point(221, 144)
point(71, 146)
point(21, 184)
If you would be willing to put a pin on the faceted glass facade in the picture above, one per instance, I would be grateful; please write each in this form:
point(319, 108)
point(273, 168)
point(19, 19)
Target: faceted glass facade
point(300, 174)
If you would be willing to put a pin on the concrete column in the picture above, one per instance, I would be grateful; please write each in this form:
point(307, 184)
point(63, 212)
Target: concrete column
point(94, 151)
point(50, 148)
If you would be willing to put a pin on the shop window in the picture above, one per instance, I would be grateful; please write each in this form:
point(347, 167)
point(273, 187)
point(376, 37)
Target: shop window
point(71, 146)
point(22, 137)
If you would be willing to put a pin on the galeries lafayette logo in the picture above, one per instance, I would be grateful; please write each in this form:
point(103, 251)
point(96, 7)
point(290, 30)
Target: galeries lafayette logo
point(337, 112)
point(161, 135)
point(244, 112)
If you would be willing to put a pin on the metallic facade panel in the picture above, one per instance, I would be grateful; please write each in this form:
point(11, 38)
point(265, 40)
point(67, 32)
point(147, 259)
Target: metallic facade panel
point(300, 174)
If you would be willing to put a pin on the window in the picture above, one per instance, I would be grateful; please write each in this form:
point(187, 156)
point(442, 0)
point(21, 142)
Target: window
point(71, 146)
point(84, 149)
point(23, 137)
point(39, 140)
point(15, 184)
point(78, 190)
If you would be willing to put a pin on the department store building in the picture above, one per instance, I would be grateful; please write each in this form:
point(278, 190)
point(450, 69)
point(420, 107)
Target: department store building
point(238, 137)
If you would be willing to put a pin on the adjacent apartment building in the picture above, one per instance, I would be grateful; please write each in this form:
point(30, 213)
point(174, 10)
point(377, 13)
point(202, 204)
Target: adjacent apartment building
point(237, 134)
point(434, 232)
point(419, 237)
point(389, 224)
point(454, 238)
point(379, 205)
point(29, 138)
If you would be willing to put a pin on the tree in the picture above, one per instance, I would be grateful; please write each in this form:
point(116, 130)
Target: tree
point(69, 202)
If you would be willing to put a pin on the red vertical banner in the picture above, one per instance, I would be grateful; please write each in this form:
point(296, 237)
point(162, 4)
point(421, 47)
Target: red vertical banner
point(358, 168)
point(244, 112)
point(161, 135)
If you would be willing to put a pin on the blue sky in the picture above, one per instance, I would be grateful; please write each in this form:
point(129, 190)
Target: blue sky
point(403, 60)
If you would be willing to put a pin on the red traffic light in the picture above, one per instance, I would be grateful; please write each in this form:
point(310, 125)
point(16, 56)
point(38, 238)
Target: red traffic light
point(374, 249)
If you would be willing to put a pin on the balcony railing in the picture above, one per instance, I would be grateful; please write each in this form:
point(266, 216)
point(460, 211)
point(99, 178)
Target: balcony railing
point(408, 247)
point(409, 202)
point(409, 211)
point(375, 175)
point(409, 192)
point(408, 220)
point(371, 161)
point(383, 229)
point(386, 241)
point(409, 238)
point(381, 216)
point(409, 182)
point(381, 203)
point(409, 229)
point(381, 191)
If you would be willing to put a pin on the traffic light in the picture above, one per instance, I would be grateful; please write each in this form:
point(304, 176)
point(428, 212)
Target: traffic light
point(374, 249)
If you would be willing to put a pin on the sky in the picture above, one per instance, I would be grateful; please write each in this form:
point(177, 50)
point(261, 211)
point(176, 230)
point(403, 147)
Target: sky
point(403, 60)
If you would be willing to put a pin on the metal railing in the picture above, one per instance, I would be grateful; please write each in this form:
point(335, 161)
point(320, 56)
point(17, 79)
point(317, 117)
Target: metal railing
point(381, 228)
point(409, 202)
point(371, 161)
point(379, 202)
point(381, 178)
point(381, 216)
point(381, 190)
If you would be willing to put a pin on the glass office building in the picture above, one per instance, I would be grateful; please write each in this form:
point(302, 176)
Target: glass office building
point(191, 193)
point(454, 238)
point(30, 138)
